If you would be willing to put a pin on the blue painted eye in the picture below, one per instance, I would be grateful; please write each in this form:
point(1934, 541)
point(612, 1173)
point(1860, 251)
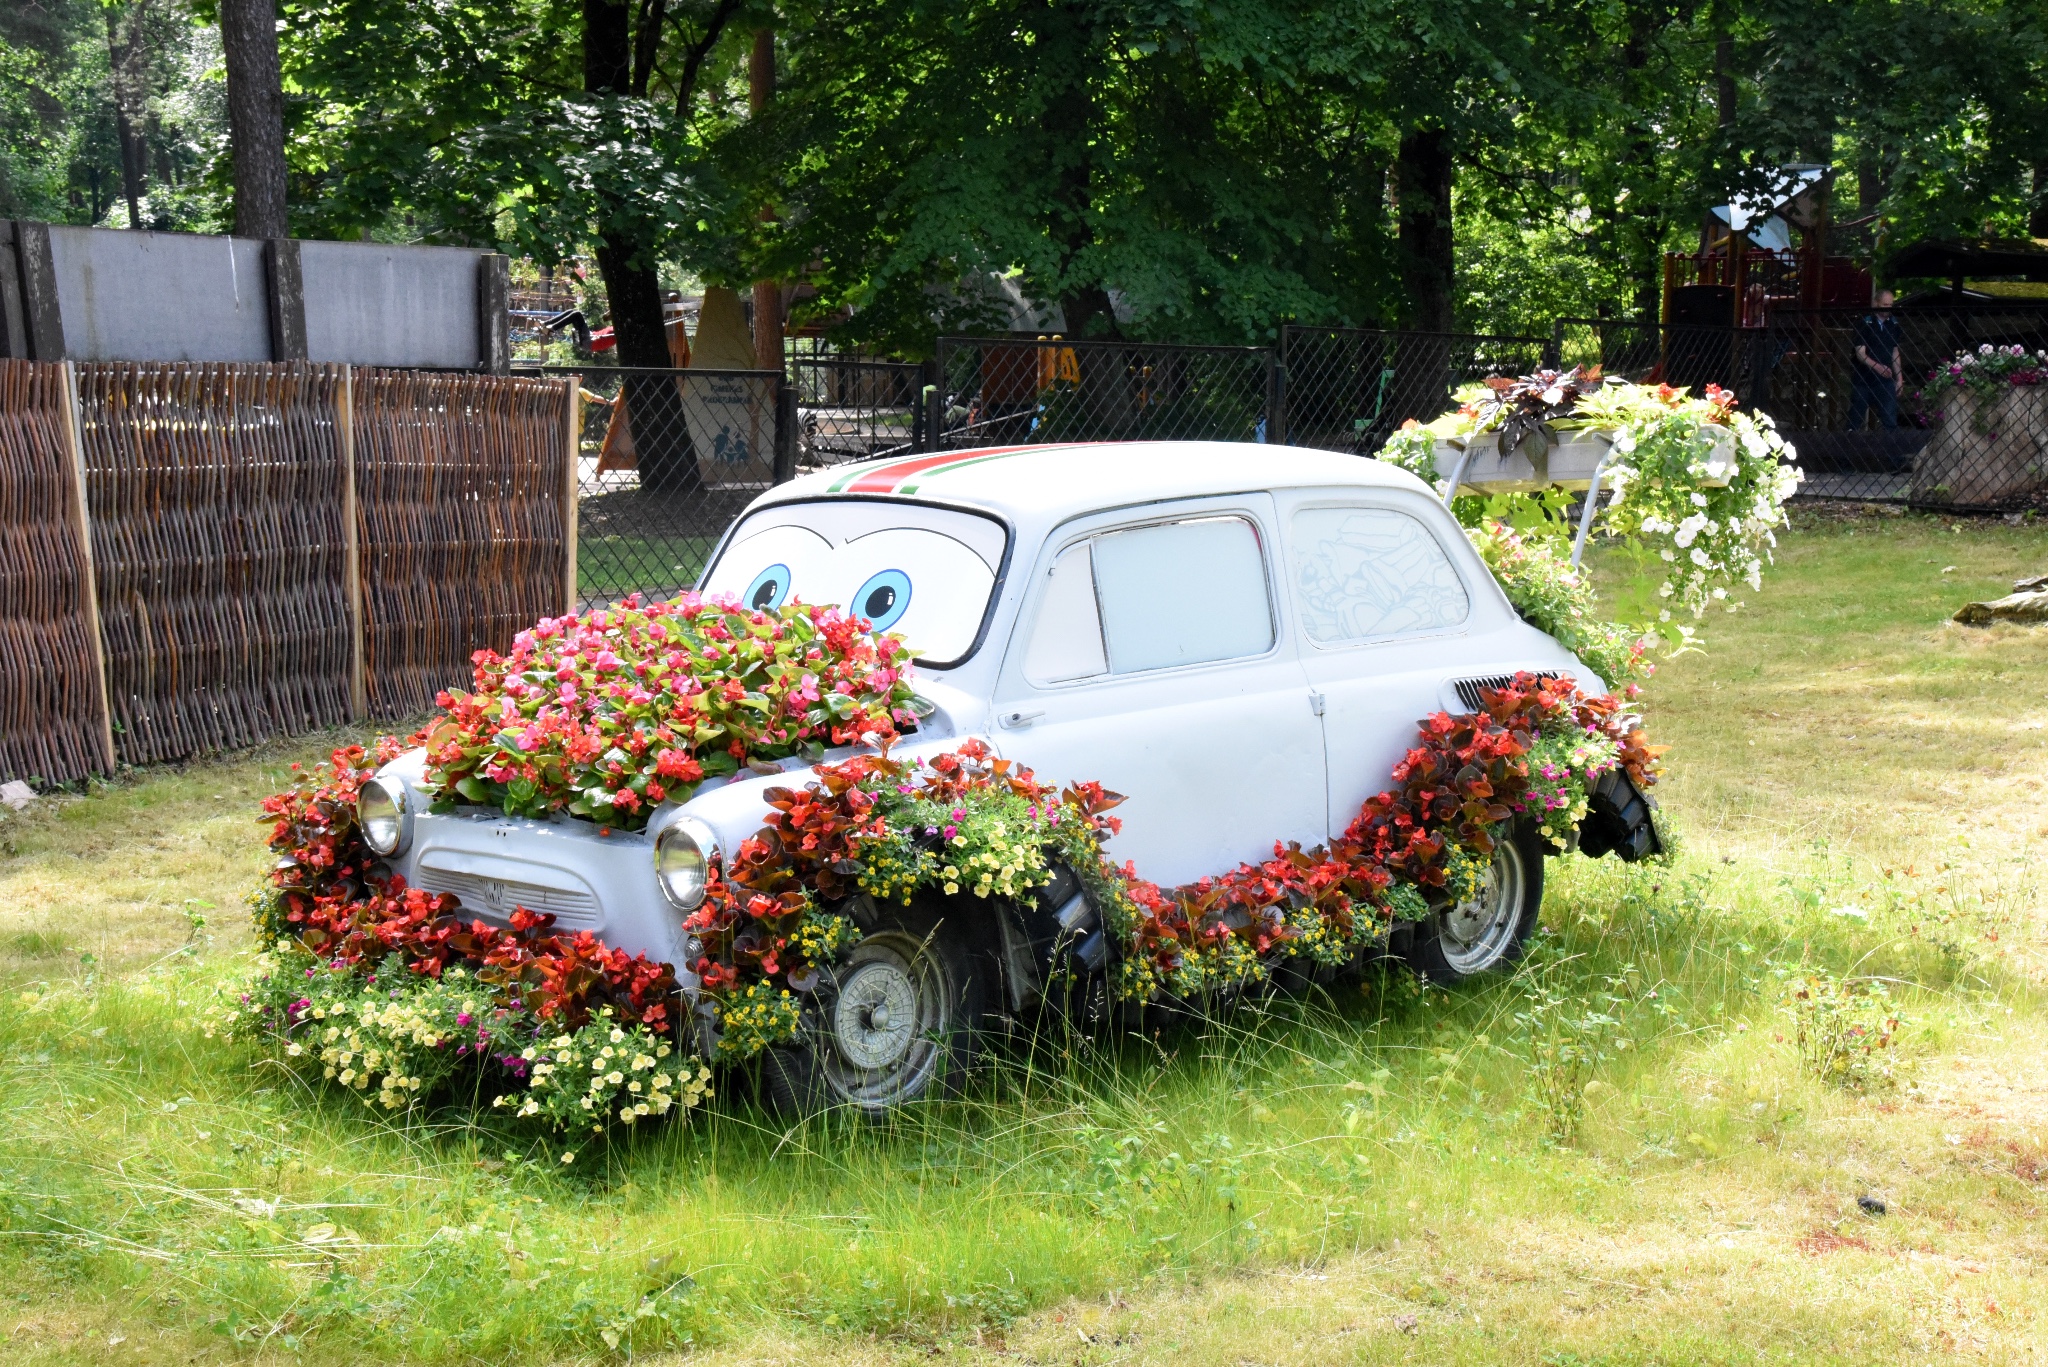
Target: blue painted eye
point(883, 599)
point(769, 588)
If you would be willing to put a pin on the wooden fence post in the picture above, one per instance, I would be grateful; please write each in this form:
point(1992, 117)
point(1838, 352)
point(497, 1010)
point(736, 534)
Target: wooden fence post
point(352, 549)
point(572, 489)
point(81, 518)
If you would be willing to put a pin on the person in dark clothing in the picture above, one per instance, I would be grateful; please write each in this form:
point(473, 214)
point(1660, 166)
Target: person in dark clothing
point(1876, 375)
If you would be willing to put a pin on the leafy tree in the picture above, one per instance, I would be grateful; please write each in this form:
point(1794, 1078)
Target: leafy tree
point(540, 124)
point(104, 105)
point(1173, 171)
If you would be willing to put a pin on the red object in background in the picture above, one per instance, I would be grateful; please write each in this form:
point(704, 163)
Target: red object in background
point(603, 340)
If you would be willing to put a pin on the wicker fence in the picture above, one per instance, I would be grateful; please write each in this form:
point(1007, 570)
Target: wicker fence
point(197, 557)
point(53, 717)
point(467, 496)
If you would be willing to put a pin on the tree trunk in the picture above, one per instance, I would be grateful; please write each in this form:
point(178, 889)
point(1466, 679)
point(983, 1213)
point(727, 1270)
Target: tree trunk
point(1870, 186)
point(131, 98)
point(248, 35)
point(1422, 172)
point(1724, 80)
point(664, 454)
point(768, 320)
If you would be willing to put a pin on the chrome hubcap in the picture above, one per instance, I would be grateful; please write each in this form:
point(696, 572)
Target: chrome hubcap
point(875, 1018)
point(1477, 933)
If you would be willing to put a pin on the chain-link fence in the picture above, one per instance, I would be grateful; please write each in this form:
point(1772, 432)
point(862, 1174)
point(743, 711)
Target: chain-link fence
point(854, 407)
point(1348, 389)
point(667, 460)
point(1003, 391)
point(1680, 355)
point(1861, 433)
point(670, 457)
point(1867, 435)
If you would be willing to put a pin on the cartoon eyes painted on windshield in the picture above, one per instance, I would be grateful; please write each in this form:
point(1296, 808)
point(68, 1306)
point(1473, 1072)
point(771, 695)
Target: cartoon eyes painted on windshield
point(769, 588)
point(883, 599)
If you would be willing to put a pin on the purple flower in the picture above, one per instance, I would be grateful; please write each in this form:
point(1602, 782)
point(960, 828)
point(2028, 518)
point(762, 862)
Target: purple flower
point(462, 1018)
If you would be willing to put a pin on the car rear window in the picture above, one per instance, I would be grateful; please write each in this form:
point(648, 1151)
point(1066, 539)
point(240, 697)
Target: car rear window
point(1365, 572)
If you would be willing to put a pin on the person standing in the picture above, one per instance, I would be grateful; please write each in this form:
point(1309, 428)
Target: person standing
point(1877, 374)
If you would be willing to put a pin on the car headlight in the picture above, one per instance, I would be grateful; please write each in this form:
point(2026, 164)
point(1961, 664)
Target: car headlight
point(382, 812)
point(684, 855)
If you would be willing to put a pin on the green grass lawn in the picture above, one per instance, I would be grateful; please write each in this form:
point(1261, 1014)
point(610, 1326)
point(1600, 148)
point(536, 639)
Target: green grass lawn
point(1365, 1177)
point(614, 566)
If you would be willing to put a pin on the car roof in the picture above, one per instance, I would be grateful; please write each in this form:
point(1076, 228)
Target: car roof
point(1055, 481)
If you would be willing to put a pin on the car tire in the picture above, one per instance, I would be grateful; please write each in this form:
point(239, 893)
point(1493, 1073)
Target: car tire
point(894, 1022)
point(1489, 931)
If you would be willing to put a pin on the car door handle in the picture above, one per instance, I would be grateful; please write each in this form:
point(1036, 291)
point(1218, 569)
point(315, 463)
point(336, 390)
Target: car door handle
point(1010, 721)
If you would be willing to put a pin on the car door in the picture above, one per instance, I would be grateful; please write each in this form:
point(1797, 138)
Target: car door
point(1154, 654)
point(1387, 615)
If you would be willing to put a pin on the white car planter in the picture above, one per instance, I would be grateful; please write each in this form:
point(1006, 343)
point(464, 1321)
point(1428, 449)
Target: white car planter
point(1239, 638)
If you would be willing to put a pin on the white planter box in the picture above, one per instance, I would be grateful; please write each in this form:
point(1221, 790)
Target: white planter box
point(1572, 462)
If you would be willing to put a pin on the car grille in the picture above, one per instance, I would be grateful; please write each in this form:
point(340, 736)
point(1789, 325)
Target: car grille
point(572, 909)
point(1468, 689)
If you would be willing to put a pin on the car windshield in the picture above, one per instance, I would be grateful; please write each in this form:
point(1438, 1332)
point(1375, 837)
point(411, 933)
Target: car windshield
point(925, 573)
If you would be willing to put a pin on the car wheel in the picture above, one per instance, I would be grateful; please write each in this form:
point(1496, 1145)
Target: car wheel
point(894, 1022)
point(1488, 930)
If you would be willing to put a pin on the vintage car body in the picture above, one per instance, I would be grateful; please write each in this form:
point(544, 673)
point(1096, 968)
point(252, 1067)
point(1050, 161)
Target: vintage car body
point(1240, 638)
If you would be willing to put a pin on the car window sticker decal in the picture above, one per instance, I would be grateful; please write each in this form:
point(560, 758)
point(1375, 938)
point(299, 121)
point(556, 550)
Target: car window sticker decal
point(1363, 572)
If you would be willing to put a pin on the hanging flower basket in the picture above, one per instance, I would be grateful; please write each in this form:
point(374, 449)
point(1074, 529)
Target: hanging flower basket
point(1569, 464)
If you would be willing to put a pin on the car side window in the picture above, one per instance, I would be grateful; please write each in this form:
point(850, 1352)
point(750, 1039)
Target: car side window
point(1365, 572)
point(1176, 593)
point(1066, 639)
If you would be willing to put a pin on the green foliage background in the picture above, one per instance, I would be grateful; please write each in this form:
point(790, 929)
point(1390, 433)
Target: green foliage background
point(1189, 169)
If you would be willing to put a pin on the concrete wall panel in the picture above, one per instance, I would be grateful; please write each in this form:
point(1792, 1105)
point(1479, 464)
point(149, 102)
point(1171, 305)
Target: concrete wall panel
point(140, 296)
point(374, 304)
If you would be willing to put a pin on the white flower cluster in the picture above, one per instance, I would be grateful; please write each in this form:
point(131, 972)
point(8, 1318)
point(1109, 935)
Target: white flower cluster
point(402, 1043)
point(1702, 485)
point(605, 1071)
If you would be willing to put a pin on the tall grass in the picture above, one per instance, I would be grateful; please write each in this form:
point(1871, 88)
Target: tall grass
point(150, 1176)
point(228, 1193)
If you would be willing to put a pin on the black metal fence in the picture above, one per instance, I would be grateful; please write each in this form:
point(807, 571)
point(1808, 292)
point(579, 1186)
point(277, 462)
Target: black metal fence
point(1005, 391)
point(1343, 389)
point(670, 457)
point(667, 459)
point(1863, 435)
point(1349, 389)
point(853, 408)
point(1860, 434)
